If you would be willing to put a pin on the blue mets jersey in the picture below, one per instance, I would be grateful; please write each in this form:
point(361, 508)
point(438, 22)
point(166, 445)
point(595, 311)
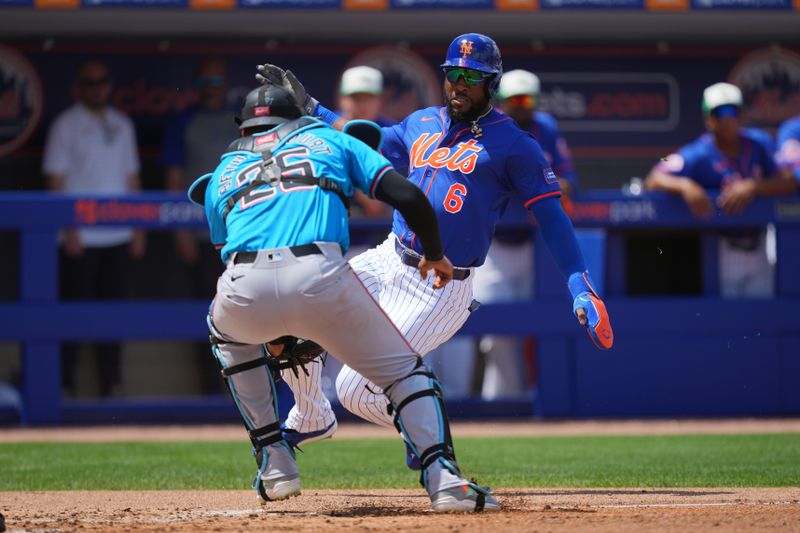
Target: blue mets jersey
point(702, 161)
point(291, 214)
point(468, 177)
point(788, 155)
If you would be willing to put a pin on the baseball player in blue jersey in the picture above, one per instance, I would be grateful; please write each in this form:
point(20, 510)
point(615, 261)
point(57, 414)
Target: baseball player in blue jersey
point(788, 142)
point(739, 162)
point(468, 160)
point(277, 208)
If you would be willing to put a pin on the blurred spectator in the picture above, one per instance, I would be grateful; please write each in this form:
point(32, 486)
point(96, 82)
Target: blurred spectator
point(740, 163)
point(518, 96)
point(91, 149)
point(360, 92)
point(193, 144)
point(788, 141)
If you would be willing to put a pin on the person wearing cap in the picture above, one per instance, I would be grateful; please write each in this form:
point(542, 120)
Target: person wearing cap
point(360, 91)
point(739, 163)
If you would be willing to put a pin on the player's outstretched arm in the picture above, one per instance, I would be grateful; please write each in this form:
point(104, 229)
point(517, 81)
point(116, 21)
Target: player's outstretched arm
point(560, 238)
point(274, 75)
point(404, 196)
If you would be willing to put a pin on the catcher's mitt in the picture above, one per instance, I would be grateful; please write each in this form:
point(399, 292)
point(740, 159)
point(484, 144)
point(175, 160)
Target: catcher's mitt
point(295, 353)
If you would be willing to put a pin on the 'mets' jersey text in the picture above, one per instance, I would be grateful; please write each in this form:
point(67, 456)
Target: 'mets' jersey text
point(468, 177)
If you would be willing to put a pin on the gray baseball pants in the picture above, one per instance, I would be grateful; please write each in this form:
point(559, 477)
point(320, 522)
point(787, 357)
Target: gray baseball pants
point(319, 297)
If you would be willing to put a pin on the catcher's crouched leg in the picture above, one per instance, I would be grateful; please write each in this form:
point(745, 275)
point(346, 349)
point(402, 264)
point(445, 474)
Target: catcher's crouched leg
point(417, 404)
point(247, 372)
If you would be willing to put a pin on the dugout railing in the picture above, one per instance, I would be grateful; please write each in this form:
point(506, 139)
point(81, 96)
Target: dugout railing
point(697, 355)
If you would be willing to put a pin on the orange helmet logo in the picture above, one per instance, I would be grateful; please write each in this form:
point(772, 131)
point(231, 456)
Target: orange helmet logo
point(466, 48)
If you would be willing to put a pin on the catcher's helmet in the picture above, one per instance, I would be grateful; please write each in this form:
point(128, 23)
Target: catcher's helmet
point(268, 106)
point(478, 52)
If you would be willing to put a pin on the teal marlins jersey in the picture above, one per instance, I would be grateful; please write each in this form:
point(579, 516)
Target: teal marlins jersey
point(290, 214)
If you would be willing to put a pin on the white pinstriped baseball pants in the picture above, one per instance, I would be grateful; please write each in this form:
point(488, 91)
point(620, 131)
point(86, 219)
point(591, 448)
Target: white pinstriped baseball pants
point(426, 318)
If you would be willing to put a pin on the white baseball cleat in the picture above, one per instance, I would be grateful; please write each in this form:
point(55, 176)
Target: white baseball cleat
point(279, 479)
point(280, 489)
point(464, 499)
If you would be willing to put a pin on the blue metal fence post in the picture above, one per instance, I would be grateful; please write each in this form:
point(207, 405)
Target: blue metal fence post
point(41, 364)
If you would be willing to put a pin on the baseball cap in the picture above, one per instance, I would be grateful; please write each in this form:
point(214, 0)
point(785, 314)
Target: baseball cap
point(518, 82)
point(361, 80)
point(721, 94)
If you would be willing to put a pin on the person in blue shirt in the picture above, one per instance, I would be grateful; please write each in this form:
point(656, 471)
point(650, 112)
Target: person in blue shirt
point(740, 164)
point(277, 208)
point(518, 96)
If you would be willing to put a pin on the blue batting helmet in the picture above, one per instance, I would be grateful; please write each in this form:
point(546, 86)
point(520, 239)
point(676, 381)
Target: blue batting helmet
point(478, 52)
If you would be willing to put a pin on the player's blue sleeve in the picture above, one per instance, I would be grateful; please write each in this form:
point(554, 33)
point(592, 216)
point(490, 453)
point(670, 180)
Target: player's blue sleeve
point(174, 152)
point(366, 166)
point(394, 146)
point(558, 234)
point(684, 162)
point(325, 114)
point(216, 226)
point(530, 175)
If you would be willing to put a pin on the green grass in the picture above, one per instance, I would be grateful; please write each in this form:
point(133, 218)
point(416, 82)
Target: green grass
point(647, 461)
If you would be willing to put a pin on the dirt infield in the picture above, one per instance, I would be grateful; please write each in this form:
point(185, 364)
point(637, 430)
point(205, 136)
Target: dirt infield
point(459, 429)
point(695, 509)
point(406, 510)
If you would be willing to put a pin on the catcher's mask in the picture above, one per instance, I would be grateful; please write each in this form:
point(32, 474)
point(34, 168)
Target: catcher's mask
point(268, 106)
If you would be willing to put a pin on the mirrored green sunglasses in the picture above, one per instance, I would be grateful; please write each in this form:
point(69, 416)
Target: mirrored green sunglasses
point(472, 77)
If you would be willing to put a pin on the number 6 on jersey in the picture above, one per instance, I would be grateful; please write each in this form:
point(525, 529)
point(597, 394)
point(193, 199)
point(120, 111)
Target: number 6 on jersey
point(454, 200)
